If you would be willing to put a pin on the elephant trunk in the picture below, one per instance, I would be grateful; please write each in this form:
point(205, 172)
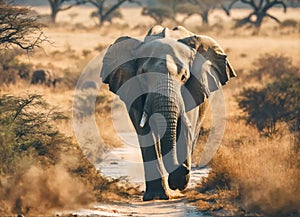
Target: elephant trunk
point(166, 105)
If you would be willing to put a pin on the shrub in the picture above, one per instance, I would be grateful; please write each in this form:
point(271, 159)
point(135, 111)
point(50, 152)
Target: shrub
point(11, 68)
point(86, 52)
point(289, 23)
point(252, 175)
point(100, 47)
point(26, 125)
point(273, 66)
point(43, 171)
point(278, 101)
point(263, 173)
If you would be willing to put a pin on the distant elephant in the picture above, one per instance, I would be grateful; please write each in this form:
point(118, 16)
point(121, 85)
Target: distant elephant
point(89, 85)
point(164, 80)
point(46, 77)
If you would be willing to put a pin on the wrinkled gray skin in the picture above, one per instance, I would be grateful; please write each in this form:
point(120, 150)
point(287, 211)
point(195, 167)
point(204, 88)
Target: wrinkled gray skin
point(164, 81)
point(46, 77)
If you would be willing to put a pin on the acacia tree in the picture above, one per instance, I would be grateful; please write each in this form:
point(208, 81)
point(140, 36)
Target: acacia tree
point(260, 10)
point(160, 10)
point(19, 27)
point(58, 5)
point(104, 11)
point(203, 8)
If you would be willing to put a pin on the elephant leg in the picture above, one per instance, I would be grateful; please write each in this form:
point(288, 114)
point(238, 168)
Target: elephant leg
point(179, 178)
point(155, 183)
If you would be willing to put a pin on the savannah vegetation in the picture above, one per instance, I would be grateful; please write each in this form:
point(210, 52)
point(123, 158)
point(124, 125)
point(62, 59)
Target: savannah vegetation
point(34, 165)
point(256, 169)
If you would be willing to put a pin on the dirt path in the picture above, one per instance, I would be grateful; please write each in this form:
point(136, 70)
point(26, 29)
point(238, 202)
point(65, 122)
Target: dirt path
point(126, 161)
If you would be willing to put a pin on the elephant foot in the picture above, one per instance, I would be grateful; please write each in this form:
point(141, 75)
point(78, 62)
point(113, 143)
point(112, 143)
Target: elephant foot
point(152, 195)
point(179, 178)
point(155, 190)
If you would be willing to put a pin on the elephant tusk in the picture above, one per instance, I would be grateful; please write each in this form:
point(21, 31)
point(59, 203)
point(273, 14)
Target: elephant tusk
point(144, 119)
point(186, 120)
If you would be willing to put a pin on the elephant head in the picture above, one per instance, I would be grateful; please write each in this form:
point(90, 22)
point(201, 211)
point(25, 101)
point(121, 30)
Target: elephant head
point(162, 79)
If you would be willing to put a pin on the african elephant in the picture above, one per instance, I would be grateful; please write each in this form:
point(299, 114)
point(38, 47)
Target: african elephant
point(46, 77)
point(164, 80)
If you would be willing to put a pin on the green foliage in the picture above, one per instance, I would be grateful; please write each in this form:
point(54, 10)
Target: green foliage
point(277, 101)
point(159, 14)
point(161, 10)
point(27, 128)
point(273, 66)
point(112, 15)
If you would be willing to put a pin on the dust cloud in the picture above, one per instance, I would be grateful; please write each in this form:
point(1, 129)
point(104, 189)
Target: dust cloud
point(44, 191)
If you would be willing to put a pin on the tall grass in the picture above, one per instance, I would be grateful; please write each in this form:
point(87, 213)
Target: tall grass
point(264, 171)
point(255, 173)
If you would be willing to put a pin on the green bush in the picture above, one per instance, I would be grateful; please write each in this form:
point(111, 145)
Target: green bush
point(27, 128)
point(159, 14)
point(42, 171)
point(289, 23)
point(11, 68)
point(273, 66)
point(277, 101)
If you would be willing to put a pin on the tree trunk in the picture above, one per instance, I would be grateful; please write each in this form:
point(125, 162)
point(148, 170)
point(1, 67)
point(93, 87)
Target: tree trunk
point(53, 16)
point(204, 16)
point(259, 18)
point(54, 11)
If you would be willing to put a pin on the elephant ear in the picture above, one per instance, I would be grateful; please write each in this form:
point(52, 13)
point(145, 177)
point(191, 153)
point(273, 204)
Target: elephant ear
point(119, 65)
point(210, 69)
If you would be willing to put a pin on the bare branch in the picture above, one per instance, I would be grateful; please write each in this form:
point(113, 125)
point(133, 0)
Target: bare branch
point(104, 13)
point(57, 6)
point(260, 9)
point(19, 27)
point(274, 18)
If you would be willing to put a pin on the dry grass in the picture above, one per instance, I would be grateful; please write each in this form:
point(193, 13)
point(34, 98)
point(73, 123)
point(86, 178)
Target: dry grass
point(252, 175)
point(249, 172)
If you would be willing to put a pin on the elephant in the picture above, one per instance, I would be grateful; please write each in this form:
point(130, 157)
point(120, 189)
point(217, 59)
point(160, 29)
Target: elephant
point(46, 77)
point(165, 80)
point(89, 85)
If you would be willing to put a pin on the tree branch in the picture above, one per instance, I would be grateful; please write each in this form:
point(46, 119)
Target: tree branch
point(114, 7)
point(274, 18)
point(18, 26)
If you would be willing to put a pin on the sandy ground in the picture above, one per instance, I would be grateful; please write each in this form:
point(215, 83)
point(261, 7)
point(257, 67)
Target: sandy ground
point(125, 162)
point(80, 33)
